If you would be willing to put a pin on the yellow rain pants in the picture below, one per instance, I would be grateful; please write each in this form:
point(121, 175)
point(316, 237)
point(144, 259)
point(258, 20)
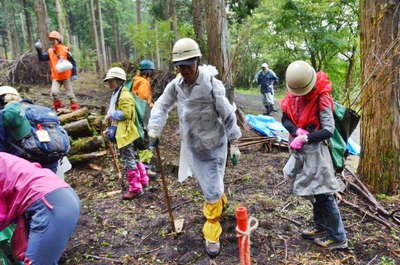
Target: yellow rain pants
point(212, 211)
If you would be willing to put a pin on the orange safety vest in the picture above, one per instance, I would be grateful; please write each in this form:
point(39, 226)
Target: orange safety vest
point(142, 88)
point(56, 52)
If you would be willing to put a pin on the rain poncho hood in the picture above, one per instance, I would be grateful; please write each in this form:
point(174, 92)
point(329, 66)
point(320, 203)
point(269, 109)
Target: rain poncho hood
point(207, 121)
point(303, 110)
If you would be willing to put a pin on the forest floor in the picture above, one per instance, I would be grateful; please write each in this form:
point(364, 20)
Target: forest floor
point(112, 231)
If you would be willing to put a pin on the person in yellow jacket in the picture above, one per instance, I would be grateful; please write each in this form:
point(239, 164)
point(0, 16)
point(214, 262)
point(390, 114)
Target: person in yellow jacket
point(207, 122)
point(142, 81)
point(121, 116)
point(55, 54)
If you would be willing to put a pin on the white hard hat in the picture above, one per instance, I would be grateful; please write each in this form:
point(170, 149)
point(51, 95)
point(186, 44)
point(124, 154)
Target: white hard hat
point(264, 65)
point(115, 72)
point(300, 78)
point(185, 49)
point(8, 90)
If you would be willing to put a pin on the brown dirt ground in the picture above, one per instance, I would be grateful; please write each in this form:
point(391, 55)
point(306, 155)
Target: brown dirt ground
point(112, 231)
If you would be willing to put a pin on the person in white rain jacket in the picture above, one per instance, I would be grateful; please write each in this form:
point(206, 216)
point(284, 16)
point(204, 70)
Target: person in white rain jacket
point(207, 123)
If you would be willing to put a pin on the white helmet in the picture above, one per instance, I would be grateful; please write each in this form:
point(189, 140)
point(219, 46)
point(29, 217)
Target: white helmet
point(264, 65)
point(300, 78)
point(184, 49)
point(115, 72)
point(8, 90)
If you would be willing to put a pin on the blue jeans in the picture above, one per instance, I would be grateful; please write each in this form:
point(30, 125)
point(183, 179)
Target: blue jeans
point(51, 222)
point(327, 216)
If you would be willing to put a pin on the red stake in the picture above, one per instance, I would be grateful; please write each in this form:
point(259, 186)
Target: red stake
point(242, 224)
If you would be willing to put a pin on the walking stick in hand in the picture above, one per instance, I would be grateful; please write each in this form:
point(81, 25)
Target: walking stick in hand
point(165, 188)
point(113, 151)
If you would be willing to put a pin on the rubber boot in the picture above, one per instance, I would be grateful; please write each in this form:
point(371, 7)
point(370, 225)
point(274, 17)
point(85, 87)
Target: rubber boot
point(144, 178)
point(57, 104)
point(74, 106)
point(135, 186)
point(212, 228)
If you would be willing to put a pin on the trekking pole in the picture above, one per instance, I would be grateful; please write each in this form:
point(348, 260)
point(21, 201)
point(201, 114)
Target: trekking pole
point(111, 147)
point(165, 188)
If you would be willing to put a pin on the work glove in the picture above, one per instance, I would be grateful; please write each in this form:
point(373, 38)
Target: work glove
point(74, 77)
point(298, 142)
point(301, 131)
point(38, 44)
point(154, 138)
point(234, 154)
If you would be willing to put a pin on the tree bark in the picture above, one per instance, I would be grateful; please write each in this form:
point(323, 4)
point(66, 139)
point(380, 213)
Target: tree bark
point(74, 159)
point(13, 39)
point(217, 39)
point(100, 66)
point(62, 22)
point(117, 41)
point(380, 123)
point(138, 12)
point(198, 25)
point(42, 19)
point(172, 17)
point(101, 35)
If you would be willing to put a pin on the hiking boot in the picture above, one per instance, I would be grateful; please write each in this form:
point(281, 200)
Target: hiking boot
point(129, 195)
point(74, 106)
point(213, 248)
point(330, 243)
point(313, 234)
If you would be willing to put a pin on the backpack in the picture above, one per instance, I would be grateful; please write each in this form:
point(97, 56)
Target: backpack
point(31, 148)
point(142, 110)
point(346, 121)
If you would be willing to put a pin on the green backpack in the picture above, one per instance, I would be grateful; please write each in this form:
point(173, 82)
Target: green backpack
point(142, 110)
point(346, 121)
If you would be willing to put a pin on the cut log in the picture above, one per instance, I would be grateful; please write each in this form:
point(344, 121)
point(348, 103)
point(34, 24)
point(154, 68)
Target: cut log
point(79, 128)
point(96, 122)
point(74, 116)
point(75, 159)
point(87, 145)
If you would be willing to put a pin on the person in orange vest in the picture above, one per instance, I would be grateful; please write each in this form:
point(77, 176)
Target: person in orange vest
point(62, 73)
point(141, 82)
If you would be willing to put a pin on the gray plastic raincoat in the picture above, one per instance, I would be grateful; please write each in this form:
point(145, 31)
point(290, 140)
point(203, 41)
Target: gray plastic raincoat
point(207, 121)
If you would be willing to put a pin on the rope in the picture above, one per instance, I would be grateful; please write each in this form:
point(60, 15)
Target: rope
point(245, 235)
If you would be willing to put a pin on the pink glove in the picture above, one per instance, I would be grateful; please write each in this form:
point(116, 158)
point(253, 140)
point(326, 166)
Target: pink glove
point(301, 131)
point(298, 142)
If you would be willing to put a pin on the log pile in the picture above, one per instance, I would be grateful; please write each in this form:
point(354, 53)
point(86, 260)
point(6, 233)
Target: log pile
point(85, 131)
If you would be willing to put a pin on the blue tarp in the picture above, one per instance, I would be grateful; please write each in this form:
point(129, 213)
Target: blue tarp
point(268, 126)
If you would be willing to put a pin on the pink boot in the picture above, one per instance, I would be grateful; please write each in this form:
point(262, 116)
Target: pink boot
point(135, 187)
point(144, 178)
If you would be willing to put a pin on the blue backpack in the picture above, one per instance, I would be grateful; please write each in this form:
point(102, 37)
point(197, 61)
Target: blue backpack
point(30, 147)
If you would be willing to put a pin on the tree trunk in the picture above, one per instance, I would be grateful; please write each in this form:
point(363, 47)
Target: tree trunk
point(172, 17)
point(102, 41)
point(117, 42)
point(11, 22)
point(79, 128)
point(138, 12)
point(198, 25)
point(96, 38)
point(380, 123)
point(62, 23)
point(41, 18)
point(348, 86)
point(217, 38)
point(28, 23)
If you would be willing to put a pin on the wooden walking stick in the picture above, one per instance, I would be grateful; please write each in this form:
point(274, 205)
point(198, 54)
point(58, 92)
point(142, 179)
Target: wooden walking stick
point(111, 147)
point(165, 188)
